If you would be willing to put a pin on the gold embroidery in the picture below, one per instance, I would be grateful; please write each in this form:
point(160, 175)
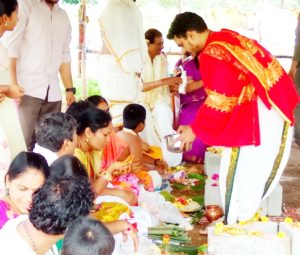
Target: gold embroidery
point(217, 52)
point(268, 76)
point(223, 103)
point(249, 45)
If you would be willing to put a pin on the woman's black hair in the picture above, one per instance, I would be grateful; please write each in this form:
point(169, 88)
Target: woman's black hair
point(25, 160)
point(8, 7)
point(96, 100)
point(67, 165)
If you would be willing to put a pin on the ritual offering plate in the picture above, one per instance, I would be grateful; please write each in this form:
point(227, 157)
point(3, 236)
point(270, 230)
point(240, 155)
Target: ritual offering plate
point(187, 205)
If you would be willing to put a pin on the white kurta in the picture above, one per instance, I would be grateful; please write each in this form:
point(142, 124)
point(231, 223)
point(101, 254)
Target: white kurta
point(159, 102)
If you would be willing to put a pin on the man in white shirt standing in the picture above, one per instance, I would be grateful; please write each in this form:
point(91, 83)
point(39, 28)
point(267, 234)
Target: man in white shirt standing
point(39, 49)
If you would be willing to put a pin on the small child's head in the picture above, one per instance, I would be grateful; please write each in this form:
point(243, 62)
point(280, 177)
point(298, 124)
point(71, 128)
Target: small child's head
point(134, 116)
point(86, 236)
point(98, 101)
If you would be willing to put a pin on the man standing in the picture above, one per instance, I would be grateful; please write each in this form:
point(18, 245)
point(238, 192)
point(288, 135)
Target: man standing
point(38, 48)
point(123, 54)
point(294, 73)
point(248, 110)
point(157, 85)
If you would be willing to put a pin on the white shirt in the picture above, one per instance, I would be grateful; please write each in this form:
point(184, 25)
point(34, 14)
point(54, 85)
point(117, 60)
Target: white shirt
point(12, 243)
point(50, 156)
point(40, 42)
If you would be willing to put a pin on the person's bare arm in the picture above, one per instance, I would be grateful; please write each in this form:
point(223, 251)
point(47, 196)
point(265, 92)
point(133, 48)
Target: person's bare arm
point(172, 82)
point(66, 77)
point(193, 85)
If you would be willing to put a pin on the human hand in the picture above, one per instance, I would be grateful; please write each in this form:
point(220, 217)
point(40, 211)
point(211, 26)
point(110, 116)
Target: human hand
point(161, 166)
point(2, 97)
point(15, 91)
point(128, 196)
point(119, 168)
point(173, 83)
point(187, 136)
point(131, 232)
point(70, 98)
point(293, 69)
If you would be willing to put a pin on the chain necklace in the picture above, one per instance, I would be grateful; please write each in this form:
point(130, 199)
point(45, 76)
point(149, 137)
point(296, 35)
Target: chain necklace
point(30, 237)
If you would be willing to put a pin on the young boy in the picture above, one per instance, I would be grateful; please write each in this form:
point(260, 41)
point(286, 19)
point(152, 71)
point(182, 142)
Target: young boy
point(86, 236)
point(134, 116)
point(56, 136)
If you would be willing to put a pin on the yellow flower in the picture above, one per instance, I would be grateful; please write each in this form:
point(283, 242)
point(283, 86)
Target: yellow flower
point(218, 231)
point(219, 225)
point(243, 222)
point(281, 234)
point(264, 219)
point(288, 220)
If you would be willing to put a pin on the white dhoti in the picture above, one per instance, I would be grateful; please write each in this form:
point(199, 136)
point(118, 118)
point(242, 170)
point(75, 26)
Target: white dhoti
point(162, 115)
point(158, 101)
point(120, 88)
point(248, 174)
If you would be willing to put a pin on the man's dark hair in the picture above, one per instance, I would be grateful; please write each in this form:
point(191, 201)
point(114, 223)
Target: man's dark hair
point(183, 22)
point(133, 114)
point(151, 34)
point(60, 201)
point(96, 100)
point(86, 236)
point(25, 160)
point(53, 129)
point(8, 7)
point(67, 165)
point(91, 117)
point(77, 108)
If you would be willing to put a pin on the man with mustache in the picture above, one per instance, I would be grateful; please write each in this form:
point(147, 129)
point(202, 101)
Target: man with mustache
point(38, 49)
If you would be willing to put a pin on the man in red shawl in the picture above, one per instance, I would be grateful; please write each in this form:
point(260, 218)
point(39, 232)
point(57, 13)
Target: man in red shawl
point(248, 110)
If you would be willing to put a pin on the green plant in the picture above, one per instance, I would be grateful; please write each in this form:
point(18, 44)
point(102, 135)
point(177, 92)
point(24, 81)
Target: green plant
point(92, 88)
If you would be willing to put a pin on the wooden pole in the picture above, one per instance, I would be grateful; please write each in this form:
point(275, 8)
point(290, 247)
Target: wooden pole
point(82, 47)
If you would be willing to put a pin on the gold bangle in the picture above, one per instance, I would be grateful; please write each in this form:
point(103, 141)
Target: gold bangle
point(106, 176)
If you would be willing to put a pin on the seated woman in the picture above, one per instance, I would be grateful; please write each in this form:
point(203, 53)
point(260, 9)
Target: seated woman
point(94, 127)
point(115, 149)
point(190, 103)
point(27, 173)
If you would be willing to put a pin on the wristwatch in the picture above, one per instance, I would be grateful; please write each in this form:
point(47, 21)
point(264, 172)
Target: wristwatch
point(73, 90)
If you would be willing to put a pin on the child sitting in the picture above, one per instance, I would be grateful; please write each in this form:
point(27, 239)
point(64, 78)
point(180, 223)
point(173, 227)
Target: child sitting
point(134, 116)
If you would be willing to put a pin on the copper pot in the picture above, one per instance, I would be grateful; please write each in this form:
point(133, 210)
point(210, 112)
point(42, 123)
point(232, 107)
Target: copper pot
point(213, 212)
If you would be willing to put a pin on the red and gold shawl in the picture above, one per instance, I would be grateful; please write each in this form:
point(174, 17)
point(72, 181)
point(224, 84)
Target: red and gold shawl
point(235, 70)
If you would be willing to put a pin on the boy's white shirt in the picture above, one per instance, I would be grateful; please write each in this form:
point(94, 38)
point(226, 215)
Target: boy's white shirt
point(50, 156)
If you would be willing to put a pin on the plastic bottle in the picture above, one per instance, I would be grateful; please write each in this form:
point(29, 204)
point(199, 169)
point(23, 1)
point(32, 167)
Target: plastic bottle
point(165, 245)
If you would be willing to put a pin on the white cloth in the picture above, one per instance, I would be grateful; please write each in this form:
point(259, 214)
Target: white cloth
point(118, 87)
point(122, 31)
point(12, 243)
point(158, 101)
point(9, 119)
point(40, 42)
point(50, 156)
point(254, 166)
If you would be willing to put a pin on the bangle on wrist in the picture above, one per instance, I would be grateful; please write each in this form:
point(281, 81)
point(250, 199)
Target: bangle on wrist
point(107, 176)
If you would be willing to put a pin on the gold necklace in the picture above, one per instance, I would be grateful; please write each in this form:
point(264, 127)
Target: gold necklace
point(30, 237)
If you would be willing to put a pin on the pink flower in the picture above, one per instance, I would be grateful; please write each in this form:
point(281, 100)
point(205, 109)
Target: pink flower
point(215, 177)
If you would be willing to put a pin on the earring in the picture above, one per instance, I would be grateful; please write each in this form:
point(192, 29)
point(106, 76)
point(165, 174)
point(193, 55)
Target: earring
point(87, 140)
point(6, 24)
